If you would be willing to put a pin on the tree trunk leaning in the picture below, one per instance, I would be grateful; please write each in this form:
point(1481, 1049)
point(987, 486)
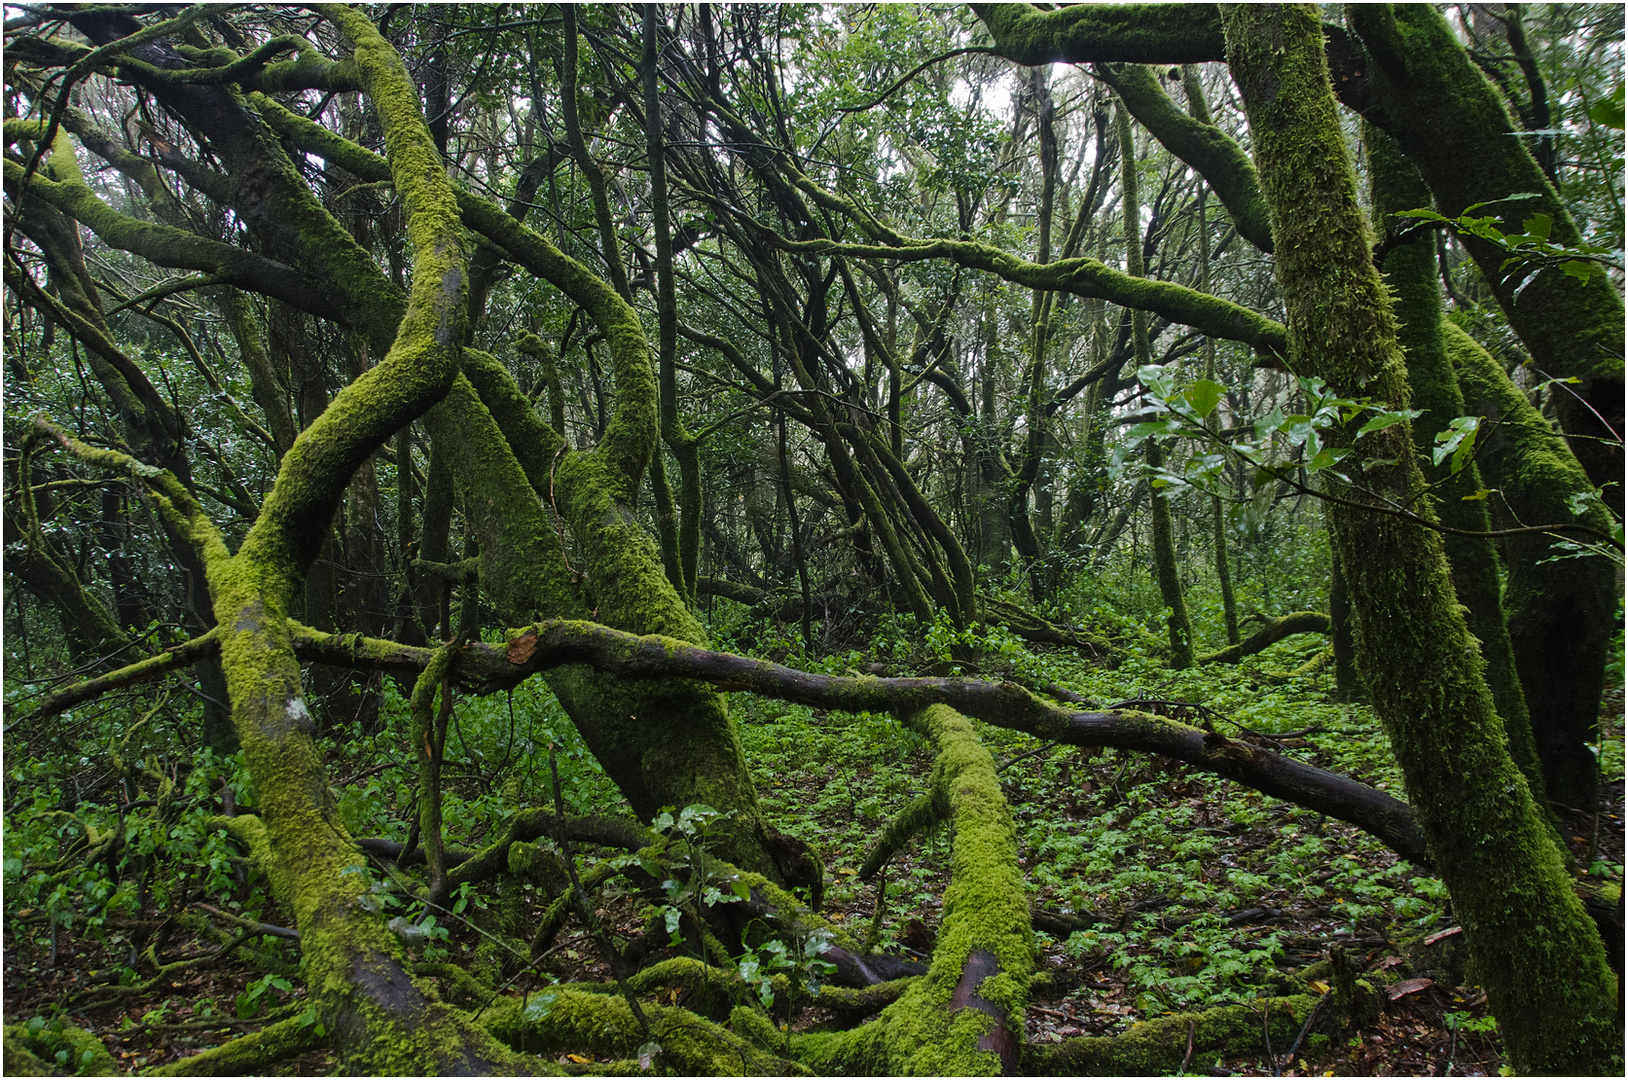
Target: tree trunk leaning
point(1535, 950)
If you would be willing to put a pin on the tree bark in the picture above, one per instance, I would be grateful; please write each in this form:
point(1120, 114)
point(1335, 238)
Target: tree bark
point(1536, 951)
point(1165, 571)
point(1427, 93)
point(1296, 622)
point(1410, 271)
point(1562, 614)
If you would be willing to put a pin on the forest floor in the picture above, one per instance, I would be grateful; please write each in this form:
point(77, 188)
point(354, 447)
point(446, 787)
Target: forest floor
point(1194, 892)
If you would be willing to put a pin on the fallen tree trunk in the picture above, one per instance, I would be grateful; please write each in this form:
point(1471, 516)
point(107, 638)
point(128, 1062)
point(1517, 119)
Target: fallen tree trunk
point(1032, 628)
point(1296, 622)
point(488, 668)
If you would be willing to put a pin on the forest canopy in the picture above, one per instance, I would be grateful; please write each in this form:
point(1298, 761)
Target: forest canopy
point(785, 539)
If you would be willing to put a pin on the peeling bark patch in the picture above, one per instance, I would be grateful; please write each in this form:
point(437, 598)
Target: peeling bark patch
point(521, 648)
point(299, 716)
point(1000, 1038)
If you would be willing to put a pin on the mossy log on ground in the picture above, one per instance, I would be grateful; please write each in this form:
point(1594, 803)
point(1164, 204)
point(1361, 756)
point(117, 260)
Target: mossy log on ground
point(965, 1017)
point(1037, 630)
point(556, 1021)
point(1182, 1042)
point(488, 668)
point(1275, 630)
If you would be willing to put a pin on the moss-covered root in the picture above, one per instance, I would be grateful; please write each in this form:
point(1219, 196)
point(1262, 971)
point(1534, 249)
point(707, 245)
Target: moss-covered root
point(1159, 1047)
point(581, 1022)
point(30, 1053)
point(965, 1018)
point(919, 815)
point(250, 1055)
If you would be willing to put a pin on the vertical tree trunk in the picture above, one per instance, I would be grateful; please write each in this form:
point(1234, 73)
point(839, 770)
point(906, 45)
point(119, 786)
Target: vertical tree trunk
point(685, 542)
point(1562, 612)
point(1410, 271)
point(1536, 951)
point(1347, 686)
point(1427, 93)
point(1200, 110)
point(1164, 547)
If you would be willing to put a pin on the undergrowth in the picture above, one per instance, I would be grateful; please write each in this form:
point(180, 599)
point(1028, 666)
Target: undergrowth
point(1189, 891)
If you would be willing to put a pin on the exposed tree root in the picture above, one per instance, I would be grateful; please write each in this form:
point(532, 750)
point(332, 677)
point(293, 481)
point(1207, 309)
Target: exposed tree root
point(964, 1018)
point(251, 1054)
point(564, 1020)
point(1296, 622)
point(30, 1054)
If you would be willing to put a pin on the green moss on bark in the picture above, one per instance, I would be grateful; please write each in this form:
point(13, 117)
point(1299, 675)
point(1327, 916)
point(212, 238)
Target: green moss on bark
point(1160, 1047)
point(1223, 163)
point(1536, 951)
point(556, 1021)
point(1410, 270)
point(1453, 124)
point(985, 950)
point(1122, 33)
point(1561, 614)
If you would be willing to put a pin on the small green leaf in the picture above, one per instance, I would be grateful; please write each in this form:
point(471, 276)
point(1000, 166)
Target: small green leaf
point(1203, 396)
point(1581, 269)
point(1538, 226)
point(538, 1008)
point(1610, 111)
point(1389, 418)
point(1149, 428)
point(1482, 494)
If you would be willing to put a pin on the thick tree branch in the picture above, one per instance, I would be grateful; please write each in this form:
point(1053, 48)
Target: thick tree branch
point(488, 668)
point(1208, 149)
point(1109, 33)
point(1296, 622)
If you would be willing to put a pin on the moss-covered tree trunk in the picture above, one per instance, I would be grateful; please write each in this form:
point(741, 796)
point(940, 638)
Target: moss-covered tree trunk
point(1424, 89)
point(662, 745)
point(1562, 613)
point(380, 1019)
point(1535, 950)
point(1410, 270)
